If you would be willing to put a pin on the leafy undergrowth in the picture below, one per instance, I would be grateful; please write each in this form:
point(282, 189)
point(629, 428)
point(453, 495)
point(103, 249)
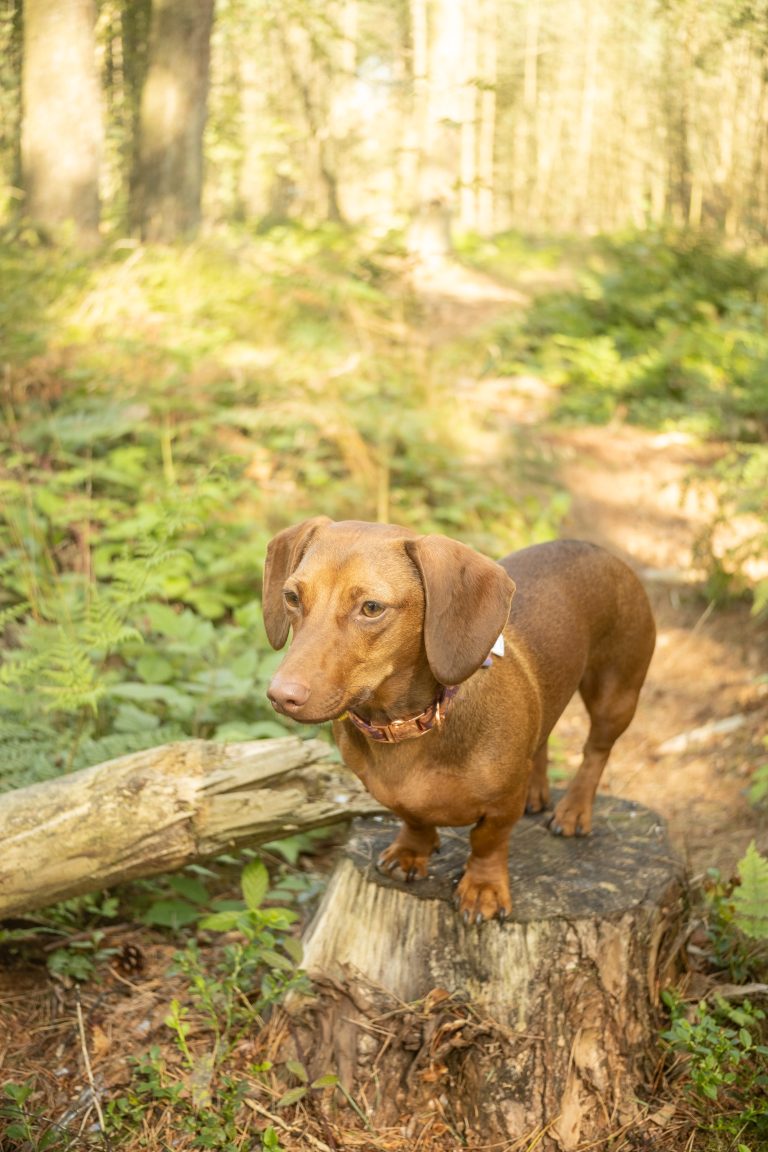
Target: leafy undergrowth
point(669, 331)
point(718, 1030)
point(165, 412)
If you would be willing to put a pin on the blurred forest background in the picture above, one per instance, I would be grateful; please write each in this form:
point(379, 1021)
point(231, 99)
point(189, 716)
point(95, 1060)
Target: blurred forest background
point(494, 268)
point(559, 115)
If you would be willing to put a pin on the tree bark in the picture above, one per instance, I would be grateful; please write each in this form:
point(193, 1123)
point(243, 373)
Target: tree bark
point(542, 1028)
point(486, 146)
point(168, 182)
point(155, 811)
point(61, 131)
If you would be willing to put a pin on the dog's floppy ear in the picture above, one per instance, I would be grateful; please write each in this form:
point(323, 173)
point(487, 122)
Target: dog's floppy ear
point(468, 598)
point(284, 552)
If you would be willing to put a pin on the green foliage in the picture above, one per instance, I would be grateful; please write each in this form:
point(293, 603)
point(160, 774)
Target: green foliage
point(165, 412)
point(724, 1046)
point(79, 924)
point(667, 330)
point(750, 898)
point(672, 329)
point(726, 1065)
point(758, 788)
point(739, 483)
point(736, 919)
point(25, 1129)
point(228, 989)
point(270, 1141)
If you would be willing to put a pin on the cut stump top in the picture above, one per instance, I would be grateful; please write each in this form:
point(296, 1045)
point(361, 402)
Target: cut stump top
point(626, 861)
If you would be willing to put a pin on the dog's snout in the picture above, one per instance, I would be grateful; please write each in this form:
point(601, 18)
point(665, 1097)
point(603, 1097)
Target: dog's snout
point(288, 695)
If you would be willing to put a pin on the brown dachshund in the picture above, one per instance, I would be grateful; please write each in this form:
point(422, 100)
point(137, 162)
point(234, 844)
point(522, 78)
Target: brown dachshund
point(392, 640)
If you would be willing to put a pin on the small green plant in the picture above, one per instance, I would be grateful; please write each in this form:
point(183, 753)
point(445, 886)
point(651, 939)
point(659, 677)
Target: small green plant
point(737, 921)
point(723, 1046)
point(758, 788)
point(78, 924)
point(270, 1141)
point(228, 988)
point(25, 1129)
point(726, 1065)
point(750, 898)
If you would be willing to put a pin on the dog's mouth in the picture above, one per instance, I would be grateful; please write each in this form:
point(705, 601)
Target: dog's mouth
point(312, 711)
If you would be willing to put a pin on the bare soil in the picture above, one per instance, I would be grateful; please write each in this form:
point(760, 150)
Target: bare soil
point(629, 490)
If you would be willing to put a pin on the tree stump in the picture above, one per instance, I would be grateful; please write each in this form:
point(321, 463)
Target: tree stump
point(544, 1027)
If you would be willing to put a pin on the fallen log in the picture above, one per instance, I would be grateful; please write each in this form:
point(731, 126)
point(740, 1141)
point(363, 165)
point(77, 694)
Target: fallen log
point(542, 1030)
point(158, 810)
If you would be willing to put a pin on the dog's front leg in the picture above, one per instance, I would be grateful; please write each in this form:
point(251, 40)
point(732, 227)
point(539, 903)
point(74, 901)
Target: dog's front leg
point(410, 851)
point(483, 890)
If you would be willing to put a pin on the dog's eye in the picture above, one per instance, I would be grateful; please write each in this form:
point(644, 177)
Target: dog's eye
point(372, 608)
point(291, 598)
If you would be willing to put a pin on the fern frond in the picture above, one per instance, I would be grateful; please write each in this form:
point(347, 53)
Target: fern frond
point(12, 614)
point(71, 678)
point(22, 667)
point(96, 751)
point(104, 628)
point(750, 899)
point(136, 578)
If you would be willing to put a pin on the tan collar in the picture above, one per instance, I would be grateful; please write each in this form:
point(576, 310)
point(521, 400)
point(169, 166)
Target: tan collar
point(397, 730)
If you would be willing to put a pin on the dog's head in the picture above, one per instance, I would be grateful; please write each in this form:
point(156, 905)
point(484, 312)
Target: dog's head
point(375, 610)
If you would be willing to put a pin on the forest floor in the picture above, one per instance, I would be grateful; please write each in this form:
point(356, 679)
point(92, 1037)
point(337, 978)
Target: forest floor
point(629, 490)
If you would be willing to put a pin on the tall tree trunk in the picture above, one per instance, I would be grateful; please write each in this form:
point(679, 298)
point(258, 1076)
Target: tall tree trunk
point(168, 180)
point(486, 144)
point(586, 125)
point(468, 173)
point(61, 132)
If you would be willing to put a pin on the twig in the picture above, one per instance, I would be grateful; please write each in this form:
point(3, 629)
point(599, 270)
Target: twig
point(87, 1062)
point(737, 991)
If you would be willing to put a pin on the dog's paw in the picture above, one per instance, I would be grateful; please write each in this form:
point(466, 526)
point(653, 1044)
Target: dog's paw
point(478, 901)
point(405, 861)
point(537, 801)
point(571, 819)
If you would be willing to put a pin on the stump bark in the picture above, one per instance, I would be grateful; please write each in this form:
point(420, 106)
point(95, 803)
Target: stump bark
point(544, 1027)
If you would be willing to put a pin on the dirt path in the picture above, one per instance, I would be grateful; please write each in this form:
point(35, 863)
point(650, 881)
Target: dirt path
point(630, 491)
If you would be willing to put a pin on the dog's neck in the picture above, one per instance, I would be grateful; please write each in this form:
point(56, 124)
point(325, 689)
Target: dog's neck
point(409, 725)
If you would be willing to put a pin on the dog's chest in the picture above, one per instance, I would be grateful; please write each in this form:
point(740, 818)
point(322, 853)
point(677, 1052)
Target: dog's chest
point(415, 784)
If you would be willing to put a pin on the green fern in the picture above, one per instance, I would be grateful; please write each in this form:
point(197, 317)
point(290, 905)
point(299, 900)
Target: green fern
point(103, 626)
point(750, 899)
point(12, 614)
point(137, 577)
point(72, 679)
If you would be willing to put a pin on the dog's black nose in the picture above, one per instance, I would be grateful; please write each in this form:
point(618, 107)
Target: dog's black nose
point(287, 695)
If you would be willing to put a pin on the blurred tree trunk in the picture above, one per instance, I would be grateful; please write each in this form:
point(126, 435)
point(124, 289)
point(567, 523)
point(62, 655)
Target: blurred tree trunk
point(168, 180)
point(61, 130)
point(486, 144)
point(677, 106)
point(440, 114)
point(469, 122)
point(306, 62)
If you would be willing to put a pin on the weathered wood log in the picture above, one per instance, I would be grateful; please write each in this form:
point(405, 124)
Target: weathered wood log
point(155, 811)
point(543, 1027)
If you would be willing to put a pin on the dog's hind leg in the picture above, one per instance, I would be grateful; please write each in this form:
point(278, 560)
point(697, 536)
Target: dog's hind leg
point(611, 705)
